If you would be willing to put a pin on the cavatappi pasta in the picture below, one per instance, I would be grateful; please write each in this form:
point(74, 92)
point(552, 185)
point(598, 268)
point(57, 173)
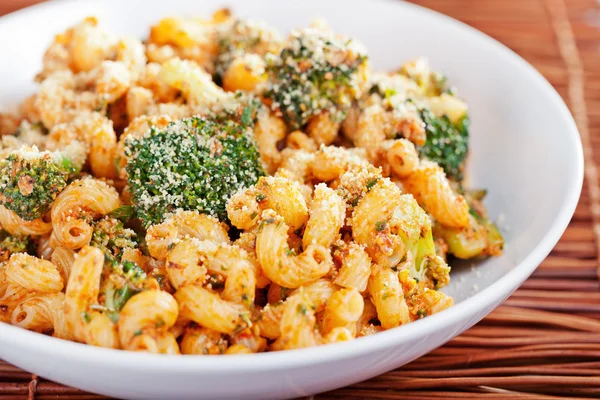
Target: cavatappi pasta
point(218, 188)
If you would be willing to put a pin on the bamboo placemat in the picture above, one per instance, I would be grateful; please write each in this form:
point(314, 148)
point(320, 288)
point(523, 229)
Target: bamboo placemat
point(544, 342)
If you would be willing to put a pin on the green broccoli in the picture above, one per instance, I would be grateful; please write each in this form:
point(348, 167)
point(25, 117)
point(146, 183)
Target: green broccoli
point(31, 179)
point(447, 143)
point(193, 164)
point(124, 280)
point(112, 237)
point(414, 228)
point(240, 38)
point(11, 244)
point(315, 72)
point(121, 278)
point(481, 238)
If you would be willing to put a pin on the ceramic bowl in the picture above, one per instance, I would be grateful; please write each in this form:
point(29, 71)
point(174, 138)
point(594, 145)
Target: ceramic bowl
point(525, 149)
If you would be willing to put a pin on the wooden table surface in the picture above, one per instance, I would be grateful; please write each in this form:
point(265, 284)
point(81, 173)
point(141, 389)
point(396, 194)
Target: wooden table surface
point(544, 342)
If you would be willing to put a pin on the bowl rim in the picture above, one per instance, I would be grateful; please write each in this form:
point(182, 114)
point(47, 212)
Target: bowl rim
point(475, 305)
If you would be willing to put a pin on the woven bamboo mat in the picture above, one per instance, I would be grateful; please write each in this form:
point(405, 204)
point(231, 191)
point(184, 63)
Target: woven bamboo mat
point(544, 342)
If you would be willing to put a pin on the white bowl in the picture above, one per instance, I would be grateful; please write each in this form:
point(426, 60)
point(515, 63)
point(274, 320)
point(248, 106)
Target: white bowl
point(525, 150)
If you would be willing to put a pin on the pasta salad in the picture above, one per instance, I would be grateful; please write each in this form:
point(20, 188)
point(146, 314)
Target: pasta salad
point(218, 188)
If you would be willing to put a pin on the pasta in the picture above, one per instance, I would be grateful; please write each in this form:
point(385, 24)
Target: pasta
point(271, 193)
point(43, 313)
point(297, 324)
point(184, 224)
point(355, 267)
point(401, 156)
point(429, 185)
point(322, 129)
point(206, 308)
point(245, 73)
point(343, 310)
point(15, 225)
point(81, 200)
point(280, 263)
point(327, 214)
point(198, 340)
point(33, 274)
point(239, 272)
point(387, 296)
point(216, 189)
point(86, 324)
point(186, 262)
point(63, 258)
point(145, 320)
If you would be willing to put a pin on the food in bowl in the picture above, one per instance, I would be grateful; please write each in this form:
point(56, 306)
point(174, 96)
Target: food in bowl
point(217, 189)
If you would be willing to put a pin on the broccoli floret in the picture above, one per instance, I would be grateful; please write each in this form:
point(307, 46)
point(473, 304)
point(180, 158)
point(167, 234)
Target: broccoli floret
point(242, 37)
point(193, 164)
point(11, 244)
point(313, 73)
point(123, 281)
point(414, 227)
point(123, 213)
point(447, 143)
point(112, 237)
point(481, 238)
point(31, 179)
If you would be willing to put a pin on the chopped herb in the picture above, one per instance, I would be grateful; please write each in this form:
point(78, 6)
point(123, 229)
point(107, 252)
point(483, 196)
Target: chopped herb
point(371, 183)
point(86, 317)
point(301, 309)
point(389, 93)
point(283, 292)
point(133, 271)
point(123, 213)
point(380, 225)
point(247, 115)
point(246, 318)
point(475, 214)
